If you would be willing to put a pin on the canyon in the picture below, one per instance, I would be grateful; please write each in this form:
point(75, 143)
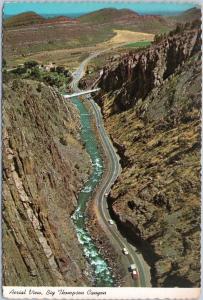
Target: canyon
point(150, 98)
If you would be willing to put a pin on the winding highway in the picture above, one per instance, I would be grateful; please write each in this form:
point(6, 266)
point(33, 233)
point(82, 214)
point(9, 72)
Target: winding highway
point(117, 240)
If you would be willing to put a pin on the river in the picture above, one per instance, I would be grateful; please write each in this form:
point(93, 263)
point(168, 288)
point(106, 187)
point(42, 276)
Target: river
point(101, 271)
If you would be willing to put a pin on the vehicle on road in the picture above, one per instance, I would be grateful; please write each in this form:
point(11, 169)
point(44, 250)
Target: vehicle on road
point(134, 271)
point(125, 251)
point(111, 222)
point(135, 274)
point(106, 194)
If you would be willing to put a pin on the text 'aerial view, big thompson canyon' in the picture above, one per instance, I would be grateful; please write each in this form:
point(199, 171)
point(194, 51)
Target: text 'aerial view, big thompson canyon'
point(101, 144)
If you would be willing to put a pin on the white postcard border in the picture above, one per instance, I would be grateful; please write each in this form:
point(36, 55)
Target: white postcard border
point(120, 293)
point(13, 292)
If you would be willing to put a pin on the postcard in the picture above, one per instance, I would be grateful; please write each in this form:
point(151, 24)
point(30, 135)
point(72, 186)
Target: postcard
point(101, 185)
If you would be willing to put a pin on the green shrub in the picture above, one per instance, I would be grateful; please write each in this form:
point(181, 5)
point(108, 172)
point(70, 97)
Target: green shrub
point(30, 64)
point(4, 64)
point(19, 70)
point(35, 73)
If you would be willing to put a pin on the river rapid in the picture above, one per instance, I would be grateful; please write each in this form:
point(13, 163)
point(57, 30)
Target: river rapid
point(101, 271)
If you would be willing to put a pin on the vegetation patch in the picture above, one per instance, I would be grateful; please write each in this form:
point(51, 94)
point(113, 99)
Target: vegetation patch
point(138, 44)
point(56, 76)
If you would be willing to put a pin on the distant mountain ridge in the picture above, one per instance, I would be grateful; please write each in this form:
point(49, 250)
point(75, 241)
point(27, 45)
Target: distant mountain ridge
point(32, 18)
point(102, 16)
point(187, 16)
point(107, 14)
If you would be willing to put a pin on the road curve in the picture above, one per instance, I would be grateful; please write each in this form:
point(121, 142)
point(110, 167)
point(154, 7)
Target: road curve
point(114, 169)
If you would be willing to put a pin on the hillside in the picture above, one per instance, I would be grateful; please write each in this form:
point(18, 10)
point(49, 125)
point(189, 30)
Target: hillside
point(52, 40)
point(145, 23)
point(191, 14)
point(151, 101)
point(187, 16)
point(107, 15)
point(112, 15)
point(23, 19)
point(45, 165)
point(32, 18)
point(123, 18)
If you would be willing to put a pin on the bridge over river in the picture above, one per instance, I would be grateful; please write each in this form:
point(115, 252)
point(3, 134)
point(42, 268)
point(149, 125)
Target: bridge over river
point(81, 93)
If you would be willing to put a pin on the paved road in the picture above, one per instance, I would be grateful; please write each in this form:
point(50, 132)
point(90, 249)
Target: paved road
point(114, 169)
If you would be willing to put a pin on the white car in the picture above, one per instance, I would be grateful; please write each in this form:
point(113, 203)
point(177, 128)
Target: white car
point(135, 274)
point(106, 194)
point(125, 251)
point(111, 222)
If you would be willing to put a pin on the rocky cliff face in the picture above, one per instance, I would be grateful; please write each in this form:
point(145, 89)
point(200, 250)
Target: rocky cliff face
point(137, 73)
point(44, 166)
point(151, 102)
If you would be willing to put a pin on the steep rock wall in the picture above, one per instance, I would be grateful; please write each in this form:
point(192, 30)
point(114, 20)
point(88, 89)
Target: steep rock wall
point(156, 199)
point(44, 166)
point(136, 74)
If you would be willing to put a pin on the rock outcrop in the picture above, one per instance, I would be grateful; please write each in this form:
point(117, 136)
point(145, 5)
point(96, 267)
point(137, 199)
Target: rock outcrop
point(44, 166)
point(151, 102)
point(137, 73)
